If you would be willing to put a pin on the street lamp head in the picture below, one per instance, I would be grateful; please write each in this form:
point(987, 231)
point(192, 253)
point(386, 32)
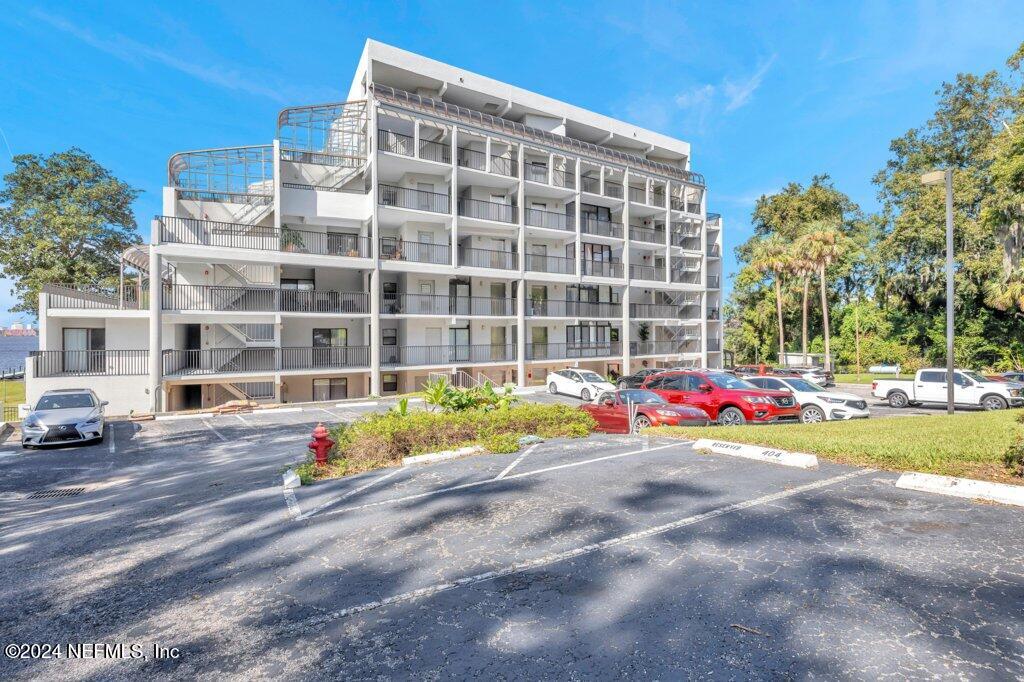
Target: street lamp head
point(934, 178)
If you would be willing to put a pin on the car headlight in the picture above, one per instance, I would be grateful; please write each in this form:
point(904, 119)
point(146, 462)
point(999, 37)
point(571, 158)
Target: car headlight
point(91, 419)
point(667, 413)
point(757, 399)
point(1015, 392)
point(834, 401)
point(32, 422)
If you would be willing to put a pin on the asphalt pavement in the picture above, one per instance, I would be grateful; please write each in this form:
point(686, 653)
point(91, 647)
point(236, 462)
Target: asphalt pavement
point(609, 557)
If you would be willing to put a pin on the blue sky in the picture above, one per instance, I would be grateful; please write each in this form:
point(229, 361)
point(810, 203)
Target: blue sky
point(765, 92)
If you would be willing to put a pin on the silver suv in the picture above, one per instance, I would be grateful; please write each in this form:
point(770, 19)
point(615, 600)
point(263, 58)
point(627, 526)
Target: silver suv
point(71, 415)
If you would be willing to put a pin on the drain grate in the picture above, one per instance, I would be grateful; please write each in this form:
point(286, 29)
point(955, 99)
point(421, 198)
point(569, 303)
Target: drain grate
point(55, 492)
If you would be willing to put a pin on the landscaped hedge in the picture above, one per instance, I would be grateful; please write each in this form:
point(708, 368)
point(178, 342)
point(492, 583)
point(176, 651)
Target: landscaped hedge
point(383, 439)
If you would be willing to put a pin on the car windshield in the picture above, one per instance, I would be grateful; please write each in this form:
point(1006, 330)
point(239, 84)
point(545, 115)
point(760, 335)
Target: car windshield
point(730, 382)
point(65, 401)
point(804, 386)
point(592, 377)
point(641, 397)
point(975, 376)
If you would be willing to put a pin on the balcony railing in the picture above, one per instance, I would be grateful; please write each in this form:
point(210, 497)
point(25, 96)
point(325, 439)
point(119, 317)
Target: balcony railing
point(714, 282)
point(488, 210)
point(646, 234)
point(714, 251)
point(563, 351)
point(435, 151)
point(231, 235)
point(653, 310)
point(219, 361)
point(471, 158)
point(640, 348)
point(604, 228)
point(396, 356)
point(262, 299)
point(395, 143)
point(536, 217)
point(613, 189)
point(714, 314)
point(714, 345)
point(688, 243)
point(638, 195)
point(417, 199)
point(58, 363)
point(440, 304)
point(502, 165)
point(324, 357)
point(590, 184)
point(693, 207)
point(714, 221)
point(92, 297)
point(395, 248)
point(600, 268)
point(554, 264)
point(557, 308)
point(536, 173)
point(486, 258)
point(649, 273)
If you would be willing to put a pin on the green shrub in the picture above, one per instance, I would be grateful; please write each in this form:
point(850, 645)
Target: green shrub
point(440, 393)
point(1013, 458)
point(502, 443)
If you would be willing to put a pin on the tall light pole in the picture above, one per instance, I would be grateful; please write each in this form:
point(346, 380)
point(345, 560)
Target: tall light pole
point(937, 178)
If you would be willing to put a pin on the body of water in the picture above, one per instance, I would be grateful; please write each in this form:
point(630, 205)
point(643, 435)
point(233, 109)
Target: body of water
point(14, 350)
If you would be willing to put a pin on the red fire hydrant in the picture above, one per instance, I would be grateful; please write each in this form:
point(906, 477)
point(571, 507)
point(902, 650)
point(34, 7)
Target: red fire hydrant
point(320, 444)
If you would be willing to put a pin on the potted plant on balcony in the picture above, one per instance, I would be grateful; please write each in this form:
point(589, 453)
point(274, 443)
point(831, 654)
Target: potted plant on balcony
point(291, 240)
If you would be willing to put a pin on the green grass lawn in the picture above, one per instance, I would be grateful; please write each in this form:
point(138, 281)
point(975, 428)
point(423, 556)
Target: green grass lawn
point(866, 378)
point(970, 445)
point(15, 392)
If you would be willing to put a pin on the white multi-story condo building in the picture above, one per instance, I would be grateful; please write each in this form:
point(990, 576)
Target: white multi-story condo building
point(436, 222)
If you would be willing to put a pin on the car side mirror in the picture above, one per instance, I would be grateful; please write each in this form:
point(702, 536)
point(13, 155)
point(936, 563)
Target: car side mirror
point(705, 388)
point(608, 402)
point(104, 403)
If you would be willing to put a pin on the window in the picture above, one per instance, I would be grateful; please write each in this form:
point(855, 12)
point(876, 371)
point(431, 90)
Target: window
point(291, 284)
point(693, 383)
point(330, 389)
point(389, 337)
point(607, 395)
point(933, 377)
point(324, 338)
point(389, 383)
point(657, 382)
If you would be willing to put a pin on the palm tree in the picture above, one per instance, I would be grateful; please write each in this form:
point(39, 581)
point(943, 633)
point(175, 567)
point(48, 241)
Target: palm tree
point(825, 244)
point(803, 267)
point(1006, 293)
point(771, 257)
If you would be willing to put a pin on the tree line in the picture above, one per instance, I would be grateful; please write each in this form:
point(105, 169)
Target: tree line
point(881, 276)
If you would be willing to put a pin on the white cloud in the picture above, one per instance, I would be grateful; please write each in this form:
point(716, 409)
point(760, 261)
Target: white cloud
point(738, 94)
point(729, 95)
point(134, 52)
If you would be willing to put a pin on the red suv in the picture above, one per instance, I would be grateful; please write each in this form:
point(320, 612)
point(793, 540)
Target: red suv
point(727, 399)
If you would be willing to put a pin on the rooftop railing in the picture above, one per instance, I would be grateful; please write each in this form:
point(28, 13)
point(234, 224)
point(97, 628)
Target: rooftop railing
point(337, 128)
point(93, 297)
point(228, 170)
point(471, 117)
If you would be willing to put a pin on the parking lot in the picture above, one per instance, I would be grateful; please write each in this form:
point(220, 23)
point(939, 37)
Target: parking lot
point(612, 556)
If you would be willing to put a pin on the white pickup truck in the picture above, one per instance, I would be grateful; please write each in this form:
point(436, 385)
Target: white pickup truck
point(929, 386)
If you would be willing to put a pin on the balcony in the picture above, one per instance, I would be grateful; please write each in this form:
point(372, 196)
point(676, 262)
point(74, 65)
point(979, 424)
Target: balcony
point(395, 143)
point(600, 268)
point(262, 299)
point(687, 243)
point(558, 265)
point(556, 308)
point(70, 363)
point(653, 311)
point(397, 249)
point(648, 273)
point(93, 297)
point(650, 235)
point(613, 189)
point(442, 305)
point(398, 356)
point(488, 210)
point(604, 228)
point(641, 348)
point(536, 217)
point(486, 258)
point(592, 185)
point(219, 361)
point(714, 314)
point(415, 199)
point(714, 282)
point(569, 351)
point(714, 345)
point(477, 160)
point(714, 251)
point(191, 231)
point(324, 357)
point(638, 195)
point(714, 221)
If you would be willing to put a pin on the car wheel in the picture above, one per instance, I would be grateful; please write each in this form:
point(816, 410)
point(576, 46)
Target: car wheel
point(812, 414)
point(898, 399)
point(731, 416)
point(641, 422)
point(585, 395)
point(993, 402)
point(552, 389)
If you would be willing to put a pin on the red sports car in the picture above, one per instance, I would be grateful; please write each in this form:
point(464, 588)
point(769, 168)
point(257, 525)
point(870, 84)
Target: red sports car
point(611, 411)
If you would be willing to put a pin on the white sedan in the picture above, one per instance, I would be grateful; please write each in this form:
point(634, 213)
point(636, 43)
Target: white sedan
point(816, 404)
point(581, 383)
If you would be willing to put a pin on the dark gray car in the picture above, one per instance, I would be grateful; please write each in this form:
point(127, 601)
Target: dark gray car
point(72, 415)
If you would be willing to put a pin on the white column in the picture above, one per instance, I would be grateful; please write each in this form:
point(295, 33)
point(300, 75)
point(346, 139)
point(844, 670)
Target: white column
point(521, 333)
point(416, 138)
point(454, 192)
point(579, 219)
point(277, 184)
point(626, 335)
point(374, 275)
point(155, 342)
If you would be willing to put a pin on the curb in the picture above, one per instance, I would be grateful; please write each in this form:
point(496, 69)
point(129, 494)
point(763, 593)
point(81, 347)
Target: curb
point(962, 487)
point(799, 460)
point(432, 457)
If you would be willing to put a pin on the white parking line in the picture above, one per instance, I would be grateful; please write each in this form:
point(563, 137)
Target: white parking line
point(111, 437)
point(210, 426)
point(335, 416)
point(350, 493)
point(513, 465)
point(474, 484)
point(242, 419)
point(293, 504)
point(557, 557)
point(366, 404)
